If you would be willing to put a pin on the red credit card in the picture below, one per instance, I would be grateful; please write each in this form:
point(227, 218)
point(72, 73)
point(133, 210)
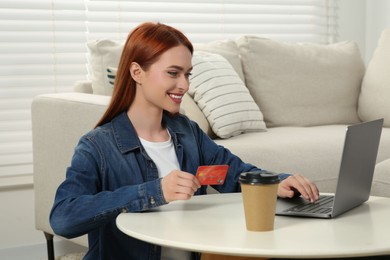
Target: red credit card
point(212, 175)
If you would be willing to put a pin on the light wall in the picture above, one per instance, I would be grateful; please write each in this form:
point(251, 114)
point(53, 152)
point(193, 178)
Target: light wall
point(360, 21)
point(363, 21)
point(351, 22)
point(377, 18)
point(18, 238)
point(17, 218)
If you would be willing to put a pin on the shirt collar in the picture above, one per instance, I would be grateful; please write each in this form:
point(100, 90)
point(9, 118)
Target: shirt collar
point(126, 137)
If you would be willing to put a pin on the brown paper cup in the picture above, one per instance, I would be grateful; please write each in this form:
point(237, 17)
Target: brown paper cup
point(259, 206)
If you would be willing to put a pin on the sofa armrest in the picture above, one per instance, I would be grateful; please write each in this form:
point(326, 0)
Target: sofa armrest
point(58, 121)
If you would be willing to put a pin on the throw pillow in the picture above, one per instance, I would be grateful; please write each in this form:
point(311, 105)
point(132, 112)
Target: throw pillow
point(303, 84)
point(227, 49)
point(102, 55)
point(373, 101)
point(223, 97)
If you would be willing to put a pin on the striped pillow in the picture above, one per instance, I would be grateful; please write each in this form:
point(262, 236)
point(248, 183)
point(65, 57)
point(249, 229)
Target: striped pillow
point(223, 97)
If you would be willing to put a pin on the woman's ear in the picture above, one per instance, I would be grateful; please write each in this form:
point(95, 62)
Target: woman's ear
point(135, 71)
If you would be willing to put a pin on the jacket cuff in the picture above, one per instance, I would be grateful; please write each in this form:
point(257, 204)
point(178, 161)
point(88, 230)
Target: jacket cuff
point(283, 176)
point(152, 193)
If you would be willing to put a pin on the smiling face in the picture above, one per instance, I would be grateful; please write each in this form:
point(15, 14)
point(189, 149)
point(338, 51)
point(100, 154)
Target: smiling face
point(163, 85)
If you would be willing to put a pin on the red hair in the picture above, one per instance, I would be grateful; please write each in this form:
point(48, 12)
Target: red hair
point(144, 45)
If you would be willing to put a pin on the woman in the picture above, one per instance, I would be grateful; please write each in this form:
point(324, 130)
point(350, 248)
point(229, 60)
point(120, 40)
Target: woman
point(143, 153)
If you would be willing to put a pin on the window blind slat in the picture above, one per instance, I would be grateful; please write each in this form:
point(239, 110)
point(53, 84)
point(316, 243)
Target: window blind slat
point(15, 147)
point(45, 58)
point(22, 136)
point(39, 26)
point(242, 2)
point(33, 85)
point(42, 4)
point(19, 103)
point(44, 47)
point(194, 8)
point(20, 126)
point(23, 167)
point(31, 15)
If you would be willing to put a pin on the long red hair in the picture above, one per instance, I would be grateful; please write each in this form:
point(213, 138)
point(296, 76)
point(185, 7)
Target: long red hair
point(144, 45)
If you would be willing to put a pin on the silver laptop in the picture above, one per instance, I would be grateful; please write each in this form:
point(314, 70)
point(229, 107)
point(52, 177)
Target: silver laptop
point(354, 180)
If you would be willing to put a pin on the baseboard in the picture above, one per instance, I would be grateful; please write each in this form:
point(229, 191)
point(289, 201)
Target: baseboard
point(39, 251)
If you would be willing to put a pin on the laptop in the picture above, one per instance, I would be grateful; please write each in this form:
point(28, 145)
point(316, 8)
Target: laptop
point(355, 176)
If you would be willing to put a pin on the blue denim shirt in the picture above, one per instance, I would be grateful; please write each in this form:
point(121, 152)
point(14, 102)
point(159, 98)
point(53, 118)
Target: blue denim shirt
point(111, 173)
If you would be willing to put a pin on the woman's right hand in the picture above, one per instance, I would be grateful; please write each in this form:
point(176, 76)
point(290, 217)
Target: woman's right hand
point(179, 185)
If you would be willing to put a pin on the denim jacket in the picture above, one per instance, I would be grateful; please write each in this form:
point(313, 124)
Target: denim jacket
point(111, 173)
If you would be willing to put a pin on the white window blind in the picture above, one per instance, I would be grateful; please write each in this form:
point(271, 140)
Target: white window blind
point(207, 20)
point(42, 45)
point(42, 50)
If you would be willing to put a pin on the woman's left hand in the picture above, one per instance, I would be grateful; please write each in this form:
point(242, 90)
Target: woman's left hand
point(296, 184)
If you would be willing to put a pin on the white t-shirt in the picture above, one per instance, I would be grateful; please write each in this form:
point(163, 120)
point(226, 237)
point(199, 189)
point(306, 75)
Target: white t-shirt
point(164, 156)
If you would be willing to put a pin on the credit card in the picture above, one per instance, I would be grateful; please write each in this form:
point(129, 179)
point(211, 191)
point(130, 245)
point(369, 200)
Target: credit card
point(212, 175)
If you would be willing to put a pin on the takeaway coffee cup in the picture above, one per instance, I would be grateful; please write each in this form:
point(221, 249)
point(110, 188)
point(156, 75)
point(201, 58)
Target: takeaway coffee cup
point(259, 193)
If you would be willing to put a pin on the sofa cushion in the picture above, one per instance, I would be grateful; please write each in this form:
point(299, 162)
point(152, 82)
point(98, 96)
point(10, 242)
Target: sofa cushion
point(373, 101)
point(381, 183)
point(227, 49)
point(103, 54)
point(223, 97)
point(303, 84)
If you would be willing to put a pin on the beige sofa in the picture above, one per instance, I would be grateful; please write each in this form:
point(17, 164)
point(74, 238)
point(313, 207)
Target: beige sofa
point(281, 106)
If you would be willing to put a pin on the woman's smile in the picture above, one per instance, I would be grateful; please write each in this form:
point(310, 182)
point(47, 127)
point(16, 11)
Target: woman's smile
point(176, 97)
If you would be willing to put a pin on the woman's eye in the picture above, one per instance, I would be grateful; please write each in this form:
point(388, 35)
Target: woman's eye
point(173, 73)
point(188, 74)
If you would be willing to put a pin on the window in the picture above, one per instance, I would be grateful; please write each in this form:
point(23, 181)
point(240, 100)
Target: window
point(42, 46)
point(206, 20)
point(42, 50)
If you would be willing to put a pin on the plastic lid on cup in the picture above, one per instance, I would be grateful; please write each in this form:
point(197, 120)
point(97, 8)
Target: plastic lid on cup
point(260, 177)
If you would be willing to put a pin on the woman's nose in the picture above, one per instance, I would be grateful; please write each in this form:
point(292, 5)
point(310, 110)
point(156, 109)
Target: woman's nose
point(184, 83)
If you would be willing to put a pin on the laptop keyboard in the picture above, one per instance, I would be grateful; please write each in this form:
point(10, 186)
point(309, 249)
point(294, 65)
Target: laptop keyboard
point(322, 206)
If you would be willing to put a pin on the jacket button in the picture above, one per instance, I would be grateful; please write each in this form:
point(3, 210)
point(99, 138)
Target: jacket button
point(152, 201)
point(124, 210)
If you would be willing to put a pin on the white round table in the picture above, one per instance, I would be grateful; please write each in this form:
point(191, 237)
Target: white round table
point(215, 224)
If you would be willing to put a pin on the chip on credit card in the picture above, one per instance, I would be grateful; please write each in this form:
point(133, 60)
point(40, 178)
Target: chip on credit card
point(212, 175)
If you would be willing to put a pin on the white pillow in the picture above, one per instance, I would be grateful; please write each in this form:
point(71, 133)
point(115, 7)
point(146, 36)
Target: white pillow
point(227, 49)
point(303, 84)
point(223, 97)
point(102, 55)
point(374, 97)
